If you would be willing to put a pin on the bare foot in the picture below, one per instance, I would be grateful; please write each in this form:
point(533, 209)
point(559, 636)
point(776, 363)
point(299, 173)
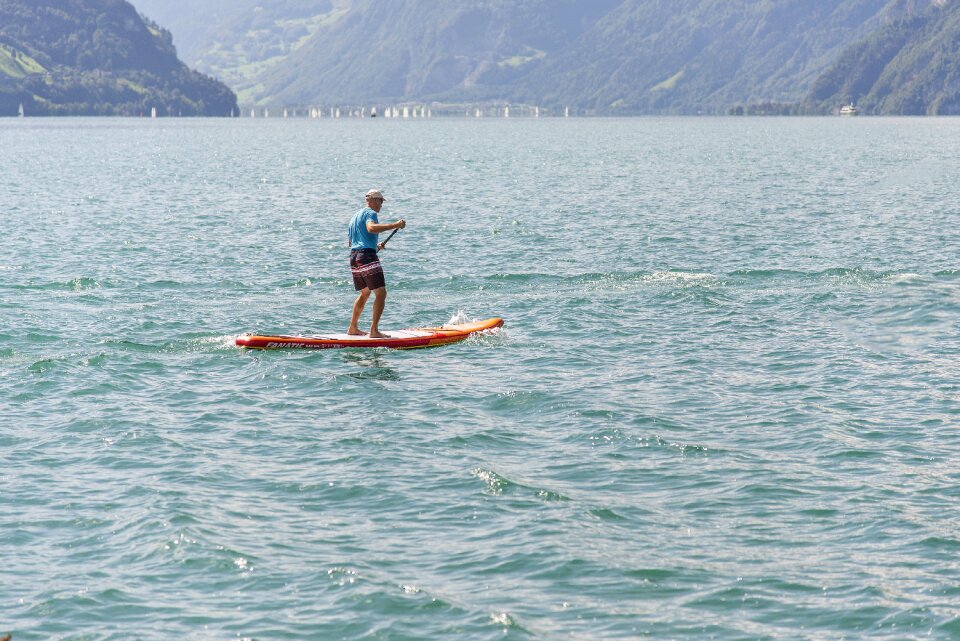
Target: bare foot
point(378, 335)
point(353, 331)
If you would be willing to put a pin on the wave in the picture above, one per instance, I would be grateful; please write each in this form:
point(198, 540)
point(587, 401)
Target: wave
point(947, 274)
point(185, 345)
point(851, 274)
point(616, 437)
point(86, 284)
point(499, 485)
point(762, 274)
point(684, 277)
point(106, 350)
point(312, 281)
point(674, 277)
point(679, 277)
point(78, 284)
point(534, 280)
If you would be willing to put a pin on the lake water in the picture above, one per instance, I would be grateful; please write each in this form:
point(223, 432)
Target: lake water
point(725, 403)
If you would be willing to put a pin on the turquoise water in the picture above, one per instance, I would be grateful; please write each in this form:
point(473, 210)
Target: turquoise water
point(724, 405)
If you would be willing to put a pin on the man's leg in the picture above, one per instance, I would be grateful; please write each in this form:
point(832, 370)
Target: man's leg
point(358, 305)
point(378, 302)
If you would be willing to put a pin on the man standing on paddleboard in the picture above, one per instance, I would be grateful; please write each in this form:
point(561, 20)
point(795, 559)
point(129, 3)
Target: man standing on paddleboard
point(364, 264)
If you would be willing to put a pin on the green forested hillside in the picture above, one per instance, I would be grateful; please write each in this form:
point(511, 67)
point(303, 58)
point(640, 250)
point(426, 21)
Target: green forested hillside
point(96, 57)
point(419, 50)
point(693, 56)
point(238, 40)
point(910, 66)
point(193, 22)
point(599, 56)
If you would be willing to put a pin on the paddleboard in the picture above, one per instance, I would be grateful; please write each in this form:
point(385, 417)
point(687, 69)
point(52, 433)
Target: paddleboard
point(401, 339)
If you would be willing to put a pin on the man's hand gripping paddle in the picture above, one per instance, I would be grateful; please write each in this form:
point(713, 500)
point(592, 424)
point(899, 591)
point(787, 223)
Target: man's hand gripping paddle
point(384, 243)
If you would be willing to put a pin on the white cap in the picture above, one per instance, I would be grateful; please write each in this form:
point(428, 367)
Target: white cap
point(375, 193)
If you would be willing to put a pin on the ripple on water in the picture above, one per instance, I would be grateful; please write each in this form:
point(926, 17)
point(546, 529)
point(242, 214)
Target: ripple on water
point(498, 485)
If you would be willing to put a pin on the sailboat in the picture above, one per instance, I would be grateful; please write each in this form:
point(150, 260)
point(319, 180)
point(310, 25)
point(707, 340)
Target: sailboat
point(20, 113)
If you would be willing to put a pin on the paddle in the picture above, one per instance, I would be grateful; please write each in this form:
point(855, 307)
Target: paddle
point(384, 243)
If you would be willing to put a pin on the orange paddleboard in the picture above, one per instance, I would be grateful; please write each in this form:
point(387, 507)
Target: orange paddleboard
point(400, 339)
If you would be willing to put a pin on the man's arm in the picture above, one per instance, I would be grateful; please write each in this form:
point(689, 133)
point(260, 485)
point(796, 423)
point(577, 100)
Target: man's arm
point(379, 228)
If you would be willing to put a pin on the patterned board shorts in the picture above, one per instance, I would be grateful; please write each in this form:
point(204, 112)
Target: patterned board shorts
point(366, 269)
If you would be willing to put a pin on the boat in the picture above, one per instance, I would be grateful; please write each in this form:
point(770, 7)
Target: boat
point(399, 339)
point(848, 110)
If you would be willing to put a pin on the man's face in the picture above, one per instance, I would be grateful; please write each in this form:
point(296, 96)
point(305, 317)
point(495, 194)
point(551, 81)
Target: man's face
point(375, 204)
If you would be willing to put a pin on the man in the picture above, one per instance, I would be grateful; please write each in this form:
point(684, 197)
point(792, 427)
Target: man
point(364, 264)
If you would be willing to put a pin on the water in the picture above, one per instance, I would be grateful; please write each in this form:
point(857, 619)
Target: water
point(724, 404)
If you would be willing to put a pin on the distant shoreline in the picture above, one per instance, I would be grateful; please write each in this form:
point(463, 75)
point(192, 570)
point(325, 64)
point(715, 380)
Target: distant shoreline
point(488, 118)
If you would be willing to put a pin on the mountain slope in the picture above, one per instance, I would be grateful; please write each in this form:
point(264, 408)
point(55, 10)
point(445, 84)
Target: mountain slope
point(910, 66)
point(602, 56)
point(620, 56)
point(238, 40)
point(192, 22)
point(389, 50)
point(704, 56)
point(96, 57)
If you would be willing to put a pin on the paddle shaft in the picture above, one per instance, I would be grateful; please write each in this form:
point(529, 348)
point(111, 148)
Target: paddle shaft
point(390, 236)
